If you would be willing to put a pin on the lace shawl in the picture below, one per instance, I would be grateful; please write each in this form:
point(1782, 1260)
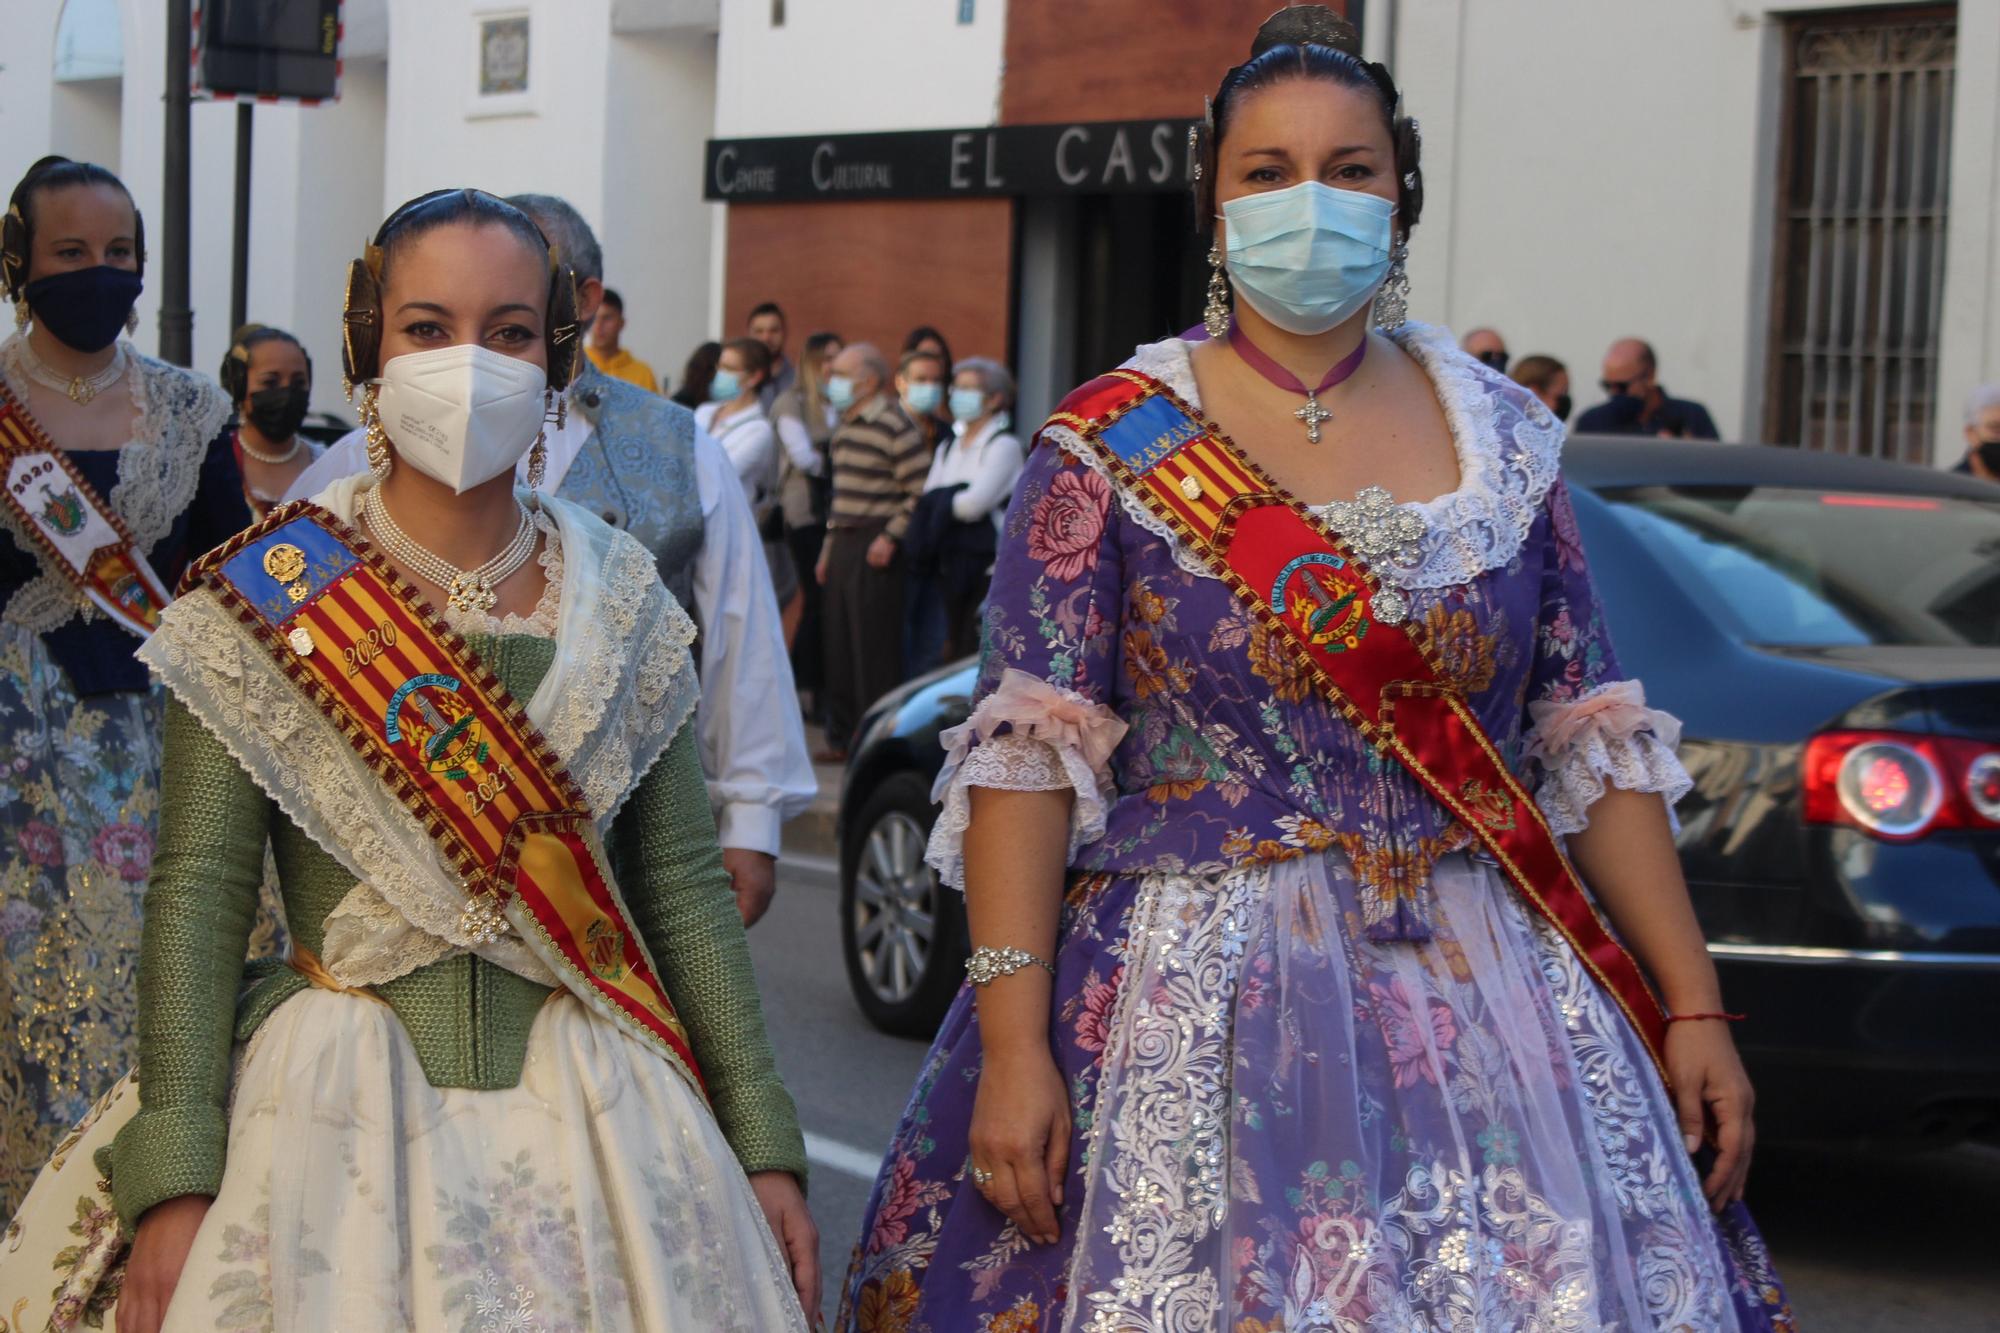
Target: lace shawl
point(178, 415)
point(1509, 453)
point(621, 687)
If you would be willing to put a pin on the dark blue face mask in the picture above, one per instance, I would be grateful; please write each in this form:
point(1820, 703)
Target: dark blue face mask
point(85, 308)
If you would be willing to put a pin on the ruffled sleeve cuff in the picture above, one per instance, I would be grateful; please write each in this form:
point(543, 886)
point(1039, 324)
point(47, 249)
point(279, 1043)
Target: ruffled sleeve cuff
point(1607, 738)
point(1027, 735)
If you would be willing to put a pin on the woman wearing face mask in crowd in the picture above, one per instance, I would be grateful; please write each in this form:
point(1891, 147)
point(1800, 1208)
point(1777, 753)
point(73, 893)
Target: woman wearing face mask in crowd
point(734, 416)
point(116, 454)
point(804, 421)
point(1547, 379)
point(1982, 434)
point(1287, 1009)
point(515, 1069)
point(953, 536)
point(268, 375)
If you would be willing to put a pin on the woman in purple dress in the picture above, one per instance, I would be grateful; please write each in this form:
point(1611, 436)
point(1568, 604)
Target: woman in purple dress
point(1265, 1035)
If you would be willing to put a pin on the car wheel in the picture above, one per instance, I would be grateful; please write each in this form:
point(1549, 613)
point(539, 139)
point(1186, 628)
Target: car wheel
point(901, 931)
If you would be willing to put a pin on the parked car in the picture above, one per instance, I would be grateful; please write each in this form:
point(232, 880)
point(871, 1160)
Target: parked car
point(1828, 630)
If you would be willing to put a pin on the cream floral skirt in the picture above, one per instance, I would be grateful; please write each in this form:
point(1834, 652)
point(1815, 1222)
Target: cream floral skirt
point(597, 1196)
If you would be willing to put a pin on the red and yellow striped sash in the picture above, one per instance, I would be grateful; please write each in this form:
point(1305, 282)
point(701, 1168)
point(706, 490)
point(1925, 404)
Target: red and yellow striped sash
point(436, 725)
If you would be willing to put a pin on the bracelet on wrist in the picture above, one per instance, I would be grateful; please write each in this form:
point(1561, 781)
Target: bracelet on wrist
point(1695, 1018)
point(988, 965)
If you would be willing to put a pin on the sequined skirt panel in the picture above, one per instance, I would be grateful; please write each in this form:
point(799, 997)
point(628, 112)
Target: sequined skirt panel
point(1281, 1125)
point(79, 796)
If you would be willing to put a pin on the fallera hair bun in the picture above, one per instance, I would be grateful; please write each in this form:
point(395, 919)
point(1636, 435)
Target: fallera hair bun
point(1296, 25)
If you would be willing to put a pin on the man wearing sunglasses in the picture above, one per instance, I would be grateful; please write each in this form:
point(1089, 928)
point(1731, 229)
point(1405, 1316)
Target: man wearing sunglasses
point(1637, 405)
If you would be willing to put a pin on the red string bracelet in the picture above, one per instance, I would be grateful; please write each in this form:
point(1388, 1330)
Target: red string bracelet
point(1690, 1018)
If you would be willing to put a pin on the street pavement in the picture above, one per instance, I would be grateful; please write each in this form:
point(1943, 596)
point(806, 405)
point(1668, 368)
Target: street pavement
point(1867, 1242)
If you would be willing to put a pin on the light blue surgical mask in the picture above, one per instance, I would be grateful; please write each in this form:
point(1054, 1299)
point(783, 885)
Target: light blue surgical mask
point(725, 386)
point(968, 404)
point(840, 391)
point(1308, 257)
point(923, 399)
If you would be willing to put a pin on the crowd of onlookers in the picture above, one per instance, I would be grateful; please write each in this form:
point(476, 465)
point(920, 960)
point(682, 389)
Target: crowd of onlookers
point(878, 484)
point(1635, 404)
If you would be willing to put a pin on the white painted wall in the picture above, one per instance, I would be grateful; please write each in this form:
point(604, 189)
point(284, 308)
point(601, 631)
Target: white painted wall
point(848, 66)
point(1603, 168)
point(657, 231)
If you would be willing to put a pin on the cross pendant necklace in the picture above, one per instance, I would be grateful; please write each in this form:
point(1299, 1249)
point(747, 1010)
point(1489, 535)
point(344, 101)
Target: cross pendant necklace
point(1312, 413)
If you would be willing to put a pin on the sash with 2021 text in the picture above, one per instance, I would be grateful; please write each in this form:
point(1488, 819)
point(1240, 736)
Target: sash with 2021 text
point(441, 731)
point(1354, 636)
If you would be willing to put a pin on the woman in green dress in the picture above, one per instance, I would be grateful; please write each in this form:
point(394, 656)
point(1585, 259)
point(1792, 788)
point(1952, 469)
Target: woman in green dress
point(515, 1074)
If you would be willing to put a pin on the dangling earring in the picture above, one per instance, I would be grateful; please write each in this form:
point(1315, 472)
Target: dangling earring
point(20, 315)
point(1392, 303)
point(538, 461)
point(131, 321)
point(381, 461)
point(562, 409)
point(1215, 315)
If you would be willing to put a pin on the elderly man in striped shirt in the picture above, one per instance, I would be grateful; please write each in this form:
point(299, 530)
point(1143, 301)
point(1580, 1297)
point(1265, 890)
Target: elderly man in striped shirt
point(879, 463)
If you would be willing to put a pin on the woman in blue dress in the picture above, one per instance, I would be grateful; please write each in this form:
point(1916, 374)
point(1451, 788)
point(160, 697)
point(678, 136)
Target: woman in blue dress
point(79, 720)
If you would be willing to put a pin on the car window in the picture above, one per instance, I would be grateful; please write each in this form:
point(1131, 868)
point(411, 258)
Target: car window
point(1791, 566)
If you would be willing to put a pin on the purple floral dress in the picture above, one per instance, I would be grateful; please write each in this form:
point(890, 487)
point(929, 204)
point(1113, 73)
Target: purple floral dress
point(1327, 1072)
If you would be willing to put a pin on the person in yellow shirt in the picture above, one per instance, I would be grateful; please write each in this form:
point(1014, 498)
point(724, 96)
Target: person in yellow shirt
point(607, 355)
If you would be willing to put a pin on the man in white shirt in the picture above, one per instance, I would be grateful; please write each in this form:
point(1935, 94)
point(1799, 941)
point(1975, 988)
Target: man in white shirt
point(637, 461)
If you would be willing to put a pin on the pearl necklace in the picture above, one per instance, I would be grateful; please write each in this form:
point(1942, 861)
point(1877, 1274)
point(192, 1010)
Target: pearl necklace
point(82, 388)
point(469, 590)
point(298, 442)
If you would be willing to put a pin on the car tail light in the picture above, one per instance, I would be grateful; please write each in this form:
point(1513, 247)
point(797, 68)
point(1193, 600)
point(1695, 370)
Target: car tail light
point(1899, 786)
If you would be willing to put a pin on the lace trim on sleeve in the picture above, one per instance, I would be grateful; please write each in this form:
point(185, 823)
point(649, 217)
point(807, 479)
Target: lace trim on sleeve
point(1607, 738)
point(1027, 735)
point(1014, 763)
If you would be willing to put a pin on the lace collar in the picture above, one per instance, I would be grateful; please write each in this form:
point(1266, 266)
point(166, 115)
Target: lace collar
point(177, 415)
point(1509, 451)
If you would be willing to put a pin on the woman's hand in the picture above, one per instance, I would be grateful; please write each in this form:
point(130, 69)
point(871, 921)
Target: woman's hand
point(784, 1205)
point(1712, 1098)
point(1020, 1133)
point(159, 1252)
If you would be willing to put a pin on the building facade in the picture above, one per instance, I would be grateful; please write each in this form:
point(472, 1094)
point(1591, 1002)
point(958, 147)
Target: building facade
point(1797, 202)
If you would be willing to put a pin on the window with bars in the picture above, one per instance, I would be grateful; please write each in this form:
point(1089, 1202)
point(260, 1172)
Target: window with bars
point(1859, 260)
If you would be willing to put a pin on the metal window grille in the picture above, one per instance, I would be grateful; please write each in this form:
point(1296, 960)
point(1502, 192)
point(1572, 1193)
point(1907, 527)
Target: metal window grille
point(1859, 269)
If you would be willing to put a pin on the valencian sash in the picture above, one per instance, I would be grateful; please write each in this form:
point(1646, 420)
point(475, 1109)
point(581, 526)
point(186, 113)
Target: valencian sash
point(1371, 660)
point(81, 537)
point(440, 730)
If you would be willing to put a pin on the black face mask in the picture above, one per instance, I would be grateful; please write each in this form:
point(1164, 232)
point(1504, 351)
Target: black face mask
point(1563, 406)
point(1495, 359)
point(86, 308)
point(1989, 455)
point(277, 411)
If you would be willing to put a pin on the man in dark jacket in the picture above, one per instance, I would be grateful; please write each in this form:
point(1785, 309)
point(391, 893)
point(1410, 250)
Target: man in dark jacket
point(1638, 405)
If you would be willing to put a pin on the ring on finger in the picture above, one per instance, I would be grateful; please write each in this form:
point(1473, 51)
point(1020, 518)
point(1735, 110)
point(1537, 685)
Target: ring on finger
point(981, 1178)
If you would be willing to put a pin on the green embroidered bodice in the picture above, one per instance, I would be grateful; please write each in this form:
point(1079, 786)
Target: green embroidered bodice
point(467, 1018)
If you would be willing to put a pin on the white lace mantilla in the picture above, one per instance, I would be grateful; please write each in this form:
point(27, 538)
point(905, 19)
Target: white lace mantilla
point(178, 414)
point(622, 686)
point(1509, 453)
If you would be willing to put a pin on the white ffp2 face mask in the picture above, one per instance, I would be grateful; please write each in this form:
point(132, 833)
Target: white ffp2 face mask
point(461, 415)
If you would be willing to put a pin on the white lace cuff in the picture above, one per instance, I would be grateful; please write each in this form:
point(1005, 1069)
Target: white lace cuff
point(1608, 738)
point(1056, 738)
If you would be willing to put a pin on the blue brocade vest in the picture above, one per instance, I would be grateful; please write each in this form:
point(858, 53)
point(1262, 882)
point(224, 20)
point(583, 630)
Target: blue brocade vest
point(636, 472)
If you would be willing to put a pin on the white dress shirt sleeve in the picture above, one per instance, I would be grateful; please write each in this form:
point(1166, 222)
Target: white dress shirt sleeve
point(992, 479)
point(753, 743)
point(798, 444)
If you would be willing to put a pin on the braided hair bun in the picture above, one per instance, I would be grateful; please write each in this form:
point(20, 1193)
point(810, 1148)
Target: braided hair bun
point(1296, 25)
